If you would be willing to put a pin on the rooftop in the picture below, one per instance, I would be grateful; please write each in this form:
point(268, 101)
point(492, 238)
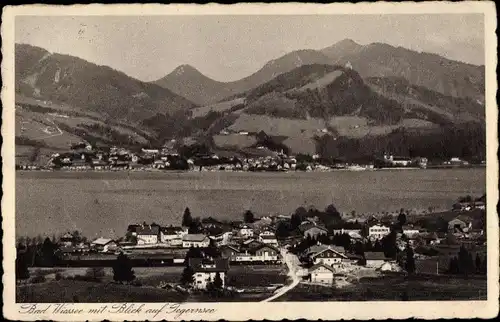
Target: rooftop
point(194, 237)
point(375, 256)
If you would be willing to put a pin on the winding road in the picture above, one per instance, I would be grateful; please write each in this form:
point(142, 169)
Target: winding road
point(291, 262)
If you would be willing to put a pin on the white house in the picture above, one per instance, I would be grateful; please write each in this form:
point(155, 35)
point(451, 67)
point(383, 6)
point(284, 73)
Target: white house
point(104, 245)
point(321, 273)
point(378, 231)
point(205, 272)
point(329, 256)
point(246, 232)
point(375, 259)
point(260, 253)
point(147, 234)
point(410, 231)
point(195, 240)
point(171, 235)
point(269, 238)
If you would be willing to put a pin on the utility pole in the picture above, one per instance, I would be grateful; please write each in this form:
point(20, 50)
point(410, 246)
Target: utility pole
point(437, 267)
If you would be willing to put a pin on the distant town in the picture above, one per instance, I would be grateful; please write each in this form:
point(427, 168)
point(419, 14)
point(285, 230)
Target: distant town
point(292, 253)
point(84, 157)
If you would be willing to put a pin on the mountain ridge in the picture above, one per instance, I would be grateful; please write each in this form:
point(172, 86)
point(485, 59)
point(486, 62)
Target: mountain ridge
point(372, 60)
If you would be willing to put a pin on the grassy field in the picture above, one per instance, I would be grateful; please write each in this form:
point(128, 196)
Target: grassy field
point(149, 278)
point(91, 292)
point(392, 288)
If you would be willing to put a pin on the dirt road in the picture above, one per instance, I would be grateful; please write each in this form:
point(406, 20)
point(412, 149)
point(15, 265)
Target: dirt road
point(292, 262)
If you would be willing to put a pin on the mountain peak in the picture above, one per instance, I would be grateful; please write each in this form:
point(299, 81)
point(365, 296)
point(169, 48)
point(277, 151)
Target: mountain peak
point(347, 41)
point(184, 68)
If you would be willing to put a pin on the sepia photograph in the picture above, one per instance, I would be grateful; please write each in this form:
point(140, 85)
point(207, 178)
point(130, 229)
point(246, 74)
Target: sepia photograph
point(245, 157)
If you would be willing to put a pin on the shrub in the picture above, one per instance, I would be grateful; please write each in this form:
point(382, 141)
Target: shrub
point(38, 279)
point(58, 276)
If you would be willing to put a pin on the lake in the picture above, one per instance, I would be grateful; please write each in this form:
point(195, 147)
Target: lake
point(105, 203)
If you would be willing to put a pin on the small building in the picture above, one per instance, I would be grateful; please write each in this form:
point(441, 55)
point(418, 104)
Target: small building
point(246, 232)
point(171, 235)
point(410, 231)
point(104, 245)
point(229, 251)
point(251, 243)
point(147, 234)
point(268, 238)
point(321, 273)
point(195, 240)
point(329, 256)
point(374, 259)
point(378, 231)
point(315, 232)
point(205, 271)
point(67, 239)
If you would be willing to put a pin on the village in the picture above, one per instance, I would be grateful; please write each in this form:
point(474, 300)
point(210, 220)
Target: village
point(311, 247)
point(85, 157)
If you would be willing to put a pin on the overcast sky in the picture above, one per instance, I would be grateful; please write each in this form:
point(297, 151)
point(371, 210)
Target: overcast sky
point(228, 48)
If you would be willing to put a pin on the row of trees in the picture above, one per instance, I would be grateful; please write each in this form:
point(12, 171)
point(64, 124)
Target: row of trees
point(464, 263)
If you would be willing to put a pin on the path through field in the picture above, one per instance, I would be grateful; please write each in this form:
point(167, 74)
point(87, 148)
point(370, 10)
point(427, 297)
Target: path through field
point(59, 131)
point(292, 262)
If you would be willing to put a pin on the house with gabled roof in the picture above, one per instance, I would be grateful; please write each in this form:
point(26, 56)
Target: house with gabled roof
point(321, 273)
point(329, 256)
point(195, 240)
point(103, 245)
point(148, 234)
point(375, 259)
point(205, 271)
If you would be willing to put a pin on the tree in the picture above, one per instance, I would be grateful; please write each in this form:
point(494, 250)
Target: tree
point(248, 217)
point(187, 220)
point(218, 283)
point(282, 230)
point(195, 226)
point(453, 268)
point(187, 276)
point(22, 272)
point(48, 249)
point(478, 263)
point(96, 273)
point(122, 269)
point(389, 245)
point(410, 259)
point(401, 218)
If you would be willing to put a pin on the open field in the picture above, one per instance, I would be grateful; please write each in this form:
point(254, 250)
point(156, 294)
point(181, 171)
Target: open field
point(149, 278)
point(91, 292)
point(105, 203)
point(392, 288)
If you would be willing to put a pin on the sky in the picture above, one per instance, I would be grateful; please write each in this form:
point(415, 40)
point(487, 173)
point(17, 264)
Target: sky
point(228, 48)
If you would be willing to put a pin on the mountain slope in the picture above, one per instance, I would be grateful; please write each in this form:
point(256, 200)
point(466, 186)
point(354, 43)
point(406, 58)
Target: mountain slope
point(432, 71)
point(89, 87)
point(188, 82)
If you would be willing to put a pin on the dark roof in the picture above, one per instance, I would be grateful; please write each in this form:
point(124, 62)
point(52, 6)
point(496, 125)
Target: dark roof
point(202, 265)
point(256, 248)
point(194, 237)
point(374, 256)
point(313, 268)
point(171, 230)
point(148, 230)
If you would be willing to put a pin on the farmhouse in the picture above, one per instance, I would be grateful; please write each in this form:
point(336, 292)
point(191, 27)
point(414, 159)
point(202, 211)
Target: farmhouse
point(321, 273)
point(195, 240)
point(246, 232)
point(261, 253)
point(410, 231)
point(206, 271)
point(374, 259)
point(147, 234)
point(171, 235)
point(329, 256)
point(268, 238)
point(104, 245)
